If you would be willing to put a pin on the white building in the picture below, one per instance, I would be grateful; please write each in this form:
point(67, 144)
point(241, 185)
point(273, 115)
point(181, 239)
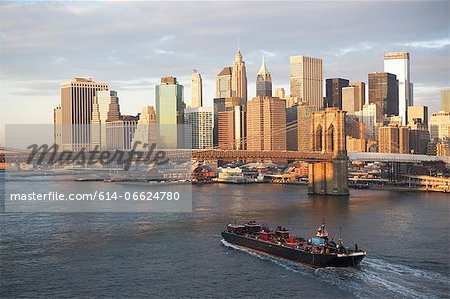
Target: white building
point(369, 117)
point(146, 129)
point(196, 90)
point(105, 108)
point(440, 126)
point(119, 133)
point(198, 127)
point(397, 63)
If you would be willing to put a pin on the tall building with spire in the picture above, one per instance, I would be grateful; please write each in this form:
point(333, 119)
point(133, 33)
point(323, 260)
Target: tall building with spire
point(263, 81)
point(239, 77)
point(196, 90)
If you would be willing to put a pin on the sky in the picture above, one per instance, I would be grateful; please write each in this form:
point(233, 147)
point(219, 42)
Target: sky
point(131, 45)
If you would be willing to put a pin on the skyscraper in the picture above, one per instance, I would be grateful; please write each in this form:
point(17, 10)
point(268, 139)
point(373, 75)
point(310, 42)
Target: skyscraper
point(169, 113)
point(334, 91)
point(280, 93)
point(263, 81)
point(266, 124)
point(146, 129)
point(397, 63)
point(239, 77)
point(383, 91)
point(292, 128)
point(440, 126)
point(77, 97)
point(306, 80)
point(105, 108)
point(393, 139)
point(120, 133)
point(445, 100)
point(198, 125)
point(232, 128)
point(418, 114)
point(361, 87)
point(196, 90)
point(350, 97)
point(223, 83)
point(220, 105)
point(368, 116)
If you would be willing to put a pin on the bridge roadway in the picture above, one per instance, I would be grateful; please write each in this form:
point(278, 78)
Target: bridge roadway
point(17, 155)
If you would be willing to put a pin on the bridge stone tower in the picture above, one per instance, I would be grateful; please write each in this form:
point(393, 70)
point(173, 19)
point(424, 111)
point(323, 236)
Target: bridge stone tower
point(327, 131)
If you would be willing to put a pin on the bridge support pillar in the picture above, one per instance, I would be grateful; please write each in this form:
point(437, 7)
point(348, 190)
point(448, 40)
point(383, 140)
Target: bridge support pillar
point(329, 178)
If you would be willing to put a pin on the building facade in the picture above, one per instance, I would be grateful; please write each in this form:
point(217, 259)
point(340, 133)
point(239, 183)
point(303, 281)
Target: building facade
point(104, 108)
point(383, 92)
point(198, 126)
point(232, 128)
point(361, 98)
point(196, 90)
point(292, 128)
point(350, 99)
point(440, 126)
point(223, 83)
point(393, 139)
point(146, 129)
point(169, 113)
point(280, 93)
point(306, 80)
point(445, 100)
point(397, 63)
point(368, 115)
point(266, 124)
point(77, 98)
point(334, 91)
point(120, 133)
point(418, 114)
point(220, 105)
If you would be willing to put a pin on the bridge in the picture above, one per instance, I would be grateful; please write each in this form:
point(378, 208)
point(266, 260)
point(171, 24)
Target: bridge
point(246, 155)
point(328, 158)
point(393, 158)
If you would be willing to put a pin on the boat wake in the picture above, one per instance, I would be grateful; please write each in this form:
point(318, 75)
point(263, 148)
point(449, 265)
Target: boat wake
point(374, 278)
point(287, 264)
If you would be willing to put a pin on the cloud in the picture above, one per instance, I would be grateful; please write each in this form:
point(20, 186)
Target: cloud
point(427, 44)
point(123, 43)
point(364, 46)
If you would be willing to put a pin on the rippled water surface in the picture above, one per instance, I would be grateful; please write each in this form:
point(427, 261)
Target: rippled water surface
point(406, 236)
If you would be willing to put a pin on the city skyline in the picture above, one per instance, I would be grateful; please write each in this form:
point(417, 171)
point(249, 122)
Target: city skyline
point(137, 55)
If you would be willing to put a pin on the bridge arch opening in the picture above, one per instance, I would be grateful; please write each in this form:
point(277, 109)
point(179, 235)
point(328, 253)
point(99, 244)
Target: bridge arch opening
point(318, 139)
point(330, 139)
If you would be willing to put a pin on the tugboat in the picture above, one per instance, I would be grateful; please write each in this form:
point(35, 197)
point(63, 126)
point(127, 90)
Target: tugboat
point(317, 252)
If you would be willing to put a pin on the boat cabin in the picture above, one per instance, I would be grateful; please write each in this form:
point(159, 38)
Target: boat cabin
point(235, 228)
point(282, 232)
point(252, 227)
point(266, 236)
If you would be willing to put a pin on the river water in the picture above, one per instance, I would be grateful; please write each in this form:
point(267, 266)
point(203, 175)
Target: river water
point(169, 255)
